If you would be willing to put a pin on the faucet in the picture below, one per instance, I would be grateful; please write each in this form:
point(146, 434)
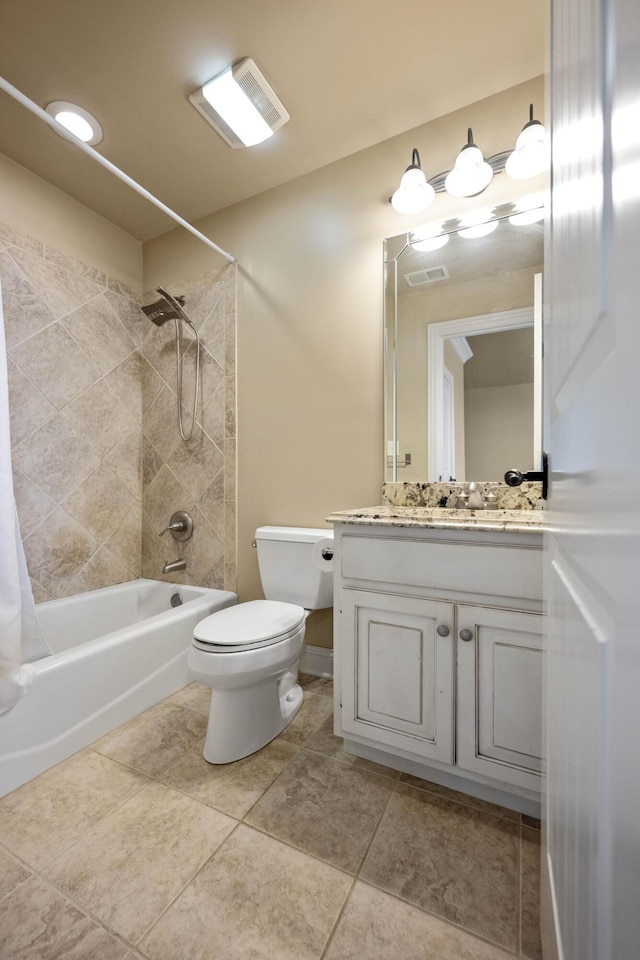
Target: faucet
point(172, 566)
point(475, 497)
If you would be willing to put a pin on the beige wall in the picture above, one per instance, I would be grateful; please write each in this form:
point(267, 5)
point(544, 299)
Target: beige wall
point(310, 318)
point(33, 207)
point(499, 430)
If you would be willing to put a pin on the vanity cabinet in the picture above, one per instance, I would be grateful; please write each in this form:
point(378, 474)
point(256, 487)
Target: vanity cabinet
point(438, 652)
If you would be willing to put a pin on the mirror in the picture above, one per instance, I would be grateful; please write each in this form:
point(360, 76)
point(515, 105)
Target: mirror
point(463, 347)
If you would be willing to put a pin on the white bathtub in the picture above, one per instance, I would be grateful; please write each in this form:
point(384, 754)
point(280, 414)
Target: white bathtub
point(117, 651)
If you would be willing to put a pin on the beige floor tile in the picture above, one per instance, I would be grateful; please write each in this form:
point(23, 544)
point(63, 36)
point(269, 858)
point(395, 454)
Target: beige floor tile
point(323, 686)
point(195, 696)
point(256, 898)
point(323, 740)
point(460, 797)
point(230, 787)
point(154, 740)
point(531, 946)
point(376, 926)
point(42, 818)
point(12, 874)
point(324, 807)
point(128, 869)
point(450, 859)
point(36, 923)
point(311, 714)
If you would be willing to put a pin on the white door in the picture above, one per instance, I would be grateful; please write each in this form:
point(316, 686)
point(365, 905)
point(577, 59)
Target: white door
point(591, 863)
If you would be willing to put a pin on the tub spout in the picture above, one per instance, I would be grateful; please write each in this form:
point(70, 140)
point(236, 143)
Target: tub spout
point(172, 566)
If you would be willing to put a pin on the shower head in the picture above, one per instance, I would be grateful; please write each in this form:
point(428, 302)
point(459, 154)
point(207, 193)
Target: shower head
point(167, 308)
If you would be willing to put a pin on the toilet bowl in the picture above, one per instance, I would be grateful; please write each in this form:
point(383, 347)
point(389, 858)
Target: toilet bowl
point(250, 654)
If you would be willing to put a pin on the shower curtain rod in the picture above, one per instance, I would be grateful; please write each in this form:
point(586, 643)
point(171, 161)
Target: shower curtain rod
point(111, 167)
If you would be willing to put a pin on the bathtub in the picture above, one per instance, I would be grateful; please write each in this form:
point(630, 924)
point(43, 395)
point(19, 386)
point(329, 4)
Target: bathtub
point(116, 652)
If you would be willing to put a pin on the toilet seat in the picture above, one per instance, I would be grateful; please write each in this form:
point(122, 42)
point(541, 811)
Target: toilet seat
point(256, 623)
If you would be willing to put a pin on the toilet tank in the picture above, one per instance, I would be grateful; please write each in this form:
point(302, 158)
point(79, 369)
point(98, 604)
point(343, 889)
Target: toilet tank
point(295, 565)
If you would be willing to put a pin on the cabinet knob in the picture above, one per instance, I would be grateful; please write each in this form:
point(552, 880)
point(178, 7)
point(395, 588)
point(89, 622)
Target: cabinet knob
point(442, 630)
point(466, 635)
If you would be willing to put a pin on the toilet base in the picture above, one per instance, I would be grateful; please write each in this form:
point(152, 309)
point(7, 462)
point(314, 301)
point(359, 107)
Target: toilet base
point(243, 720)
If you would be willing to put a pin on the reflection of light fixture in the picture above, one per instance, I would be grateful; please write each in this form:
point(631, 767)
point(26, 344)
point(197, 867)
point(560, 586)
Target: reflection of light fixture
point(240, 105)
point(471, 173)
point(478, 223)
point(429, 238)
point(414, 193)
point(529, 209)
point(78, 122)
point(530, 155)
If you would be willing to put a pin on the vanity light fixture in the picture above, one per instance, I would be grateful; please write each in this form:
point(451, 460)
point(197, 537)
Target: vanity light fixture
point(76, 121)
point(414, 193)
point(477, 223)
point(429, 238)
point(471, 173)
point(530, 156)
point(240, 105)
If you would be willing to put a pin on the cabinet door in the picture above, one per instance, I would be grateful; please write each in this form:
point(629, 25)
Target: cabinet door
point(500, 694)
point(397, 672)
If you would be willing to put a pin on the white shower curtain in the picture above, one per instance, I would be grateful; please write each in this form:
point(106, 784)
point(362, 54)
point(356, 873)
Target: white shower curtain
point(21, 639)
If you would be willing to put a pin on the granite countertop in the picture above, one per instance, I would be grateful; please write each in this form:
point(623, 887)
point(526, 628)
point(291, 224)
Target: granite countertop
point(443, 518)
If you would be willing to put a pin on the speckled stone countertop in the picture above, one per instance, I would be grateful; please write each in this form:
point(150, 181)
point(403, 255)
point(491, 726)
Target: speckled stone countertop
point(443, 518)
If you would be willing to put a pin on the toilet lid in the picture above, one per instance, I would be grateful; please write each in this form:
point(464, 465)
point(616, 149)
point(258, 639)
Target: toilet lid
point(255, 622)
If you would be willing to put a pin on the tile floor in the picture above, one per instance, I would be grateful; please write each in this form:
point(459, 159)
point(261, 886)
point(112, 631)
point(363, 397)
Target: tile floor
point(137, 848)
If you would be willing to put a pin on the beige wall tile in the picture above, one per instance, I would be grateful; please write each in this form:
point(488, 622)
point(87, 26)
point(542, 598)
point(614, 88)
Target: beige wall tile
point(28, 407)
point(100, 502)
point(99, 418)
point(32, 503)
point(55, 457)
point(24, 310)
point(57, 550)
point(53, 361)
point(97, 329)
point(62, 290)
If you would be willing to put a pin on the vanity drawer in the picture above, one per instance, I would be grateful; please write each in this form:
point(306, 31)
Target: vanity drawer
point(460, 566)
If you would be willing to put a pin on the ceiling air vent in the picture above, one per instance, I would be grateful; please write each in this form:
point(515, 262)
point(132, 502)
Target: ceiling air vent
point(431, 275)
point(255, 88)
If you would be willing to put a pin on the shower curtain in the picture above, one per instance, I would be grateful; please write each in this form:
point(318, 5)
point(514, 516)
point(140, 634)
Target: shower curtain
point(21, 639)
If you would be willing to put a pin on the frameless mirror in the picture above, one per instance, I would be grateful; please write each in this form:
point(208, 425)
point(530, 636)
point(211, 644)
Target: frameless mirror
point(463, 347)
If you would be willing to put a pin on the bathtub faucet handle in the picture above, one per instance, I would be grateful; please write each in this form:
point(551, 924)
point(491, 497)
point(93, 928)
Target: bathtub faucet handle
point(180, 526)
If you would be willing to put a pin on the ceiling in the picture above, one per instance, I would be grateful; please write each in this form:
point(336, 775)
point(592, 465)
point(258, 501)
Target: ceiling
point(351, 73)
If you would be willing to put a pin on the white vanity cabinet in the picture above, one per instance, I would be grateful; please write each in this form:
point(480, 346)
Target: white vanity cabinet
point(438, 652)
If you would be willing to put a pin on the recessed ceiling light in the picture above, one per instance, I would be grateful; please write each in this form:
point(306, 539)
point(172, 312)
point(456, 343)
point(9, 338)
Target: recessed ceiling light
point(78, 122)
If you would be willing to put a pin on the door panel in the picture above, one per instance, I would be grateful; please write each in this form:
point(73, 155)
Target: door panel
point(500, 694)
point(403, 689)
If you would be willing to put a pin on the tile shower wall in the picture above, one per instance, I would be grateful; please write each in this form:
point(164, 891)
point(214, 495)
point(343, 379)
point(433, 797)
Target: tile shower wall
point(198, 475)
point(93, 430)
point(74, 363)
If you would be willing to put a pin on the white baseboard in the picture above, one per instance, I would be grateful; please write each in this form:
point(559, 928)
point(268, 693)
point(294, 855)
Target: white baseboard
point(317, 661)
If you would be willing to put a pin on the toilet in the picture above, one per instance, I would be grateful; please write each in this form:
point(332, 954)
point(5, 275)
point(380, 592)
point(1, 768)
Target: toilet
point(249, 654)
